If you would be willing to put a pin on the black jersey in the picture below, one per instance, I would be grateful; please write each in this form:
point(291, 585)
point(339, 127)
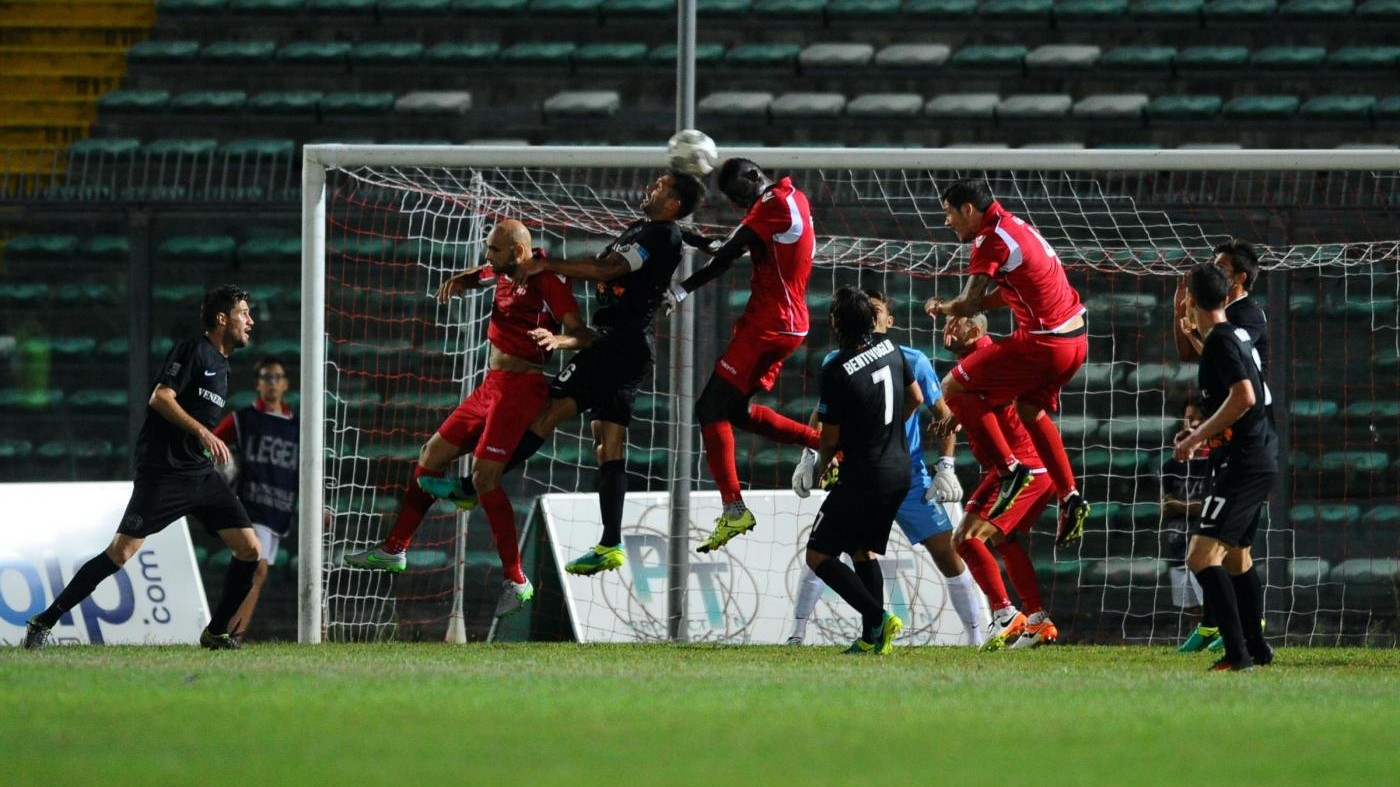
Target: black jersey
point(629, 302)
point(1228, 357)
point(1186, 481)
point(199, 374)
point(862, 391)
point(1246, 313)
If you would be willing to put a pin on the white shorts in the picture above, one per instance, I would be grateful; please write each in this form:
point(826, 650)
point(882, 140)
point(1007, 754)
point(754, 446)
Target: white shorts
point(268, 541)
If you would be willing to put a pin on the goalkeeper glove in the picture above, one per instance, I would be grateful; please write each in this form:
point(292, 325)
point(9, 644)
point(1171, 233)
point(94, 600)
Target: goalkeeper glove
point(674, 295)
point(802, 476)
point(945, 487)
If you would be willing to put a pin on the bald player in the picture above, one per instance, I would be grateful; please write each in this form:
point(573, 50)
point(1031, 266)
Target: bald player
point(491, 421)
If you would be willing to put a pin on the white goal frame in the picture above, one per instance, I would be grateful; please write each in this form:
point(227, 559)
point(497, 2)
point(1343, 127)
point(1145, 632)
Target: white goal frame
point(317, 159)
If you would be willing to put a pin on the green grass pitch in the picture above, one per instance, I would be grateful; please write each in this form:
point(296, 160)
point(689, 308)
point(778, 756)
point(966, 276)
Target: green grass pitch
point(533, 714)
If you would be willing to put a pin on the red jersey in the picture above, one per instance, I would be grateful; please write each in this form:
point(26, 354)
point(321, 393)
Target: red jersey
point(541, 302)
point(781, 267)
point(1026, 270)
point(1012, 429)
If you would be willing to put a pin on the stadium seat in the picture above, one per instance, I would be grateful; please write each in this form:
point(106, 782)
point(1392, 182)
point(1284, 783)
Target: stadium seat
point(549, 53)
point(1113, 106)
point(631, 9)
point(885, 105)
point(626, 54)
point(1188, 11)
point(722, 7)
point(1288, 57)
point(357, 103)
point(736, 103)
point(940, 10)
point(862, 9)
point(836, 55)
point(1308, 570)
point(1101, 376)
point(583, 103)
point(1144, 431)
point(1380, 409)
point(665, 54)
point(1212, 58)
point(264, 6)
point(1151, 376)
point(1313, 408)
point(1347, 107)
point(209, 101)
point(98, 400)
point(434, 102)
point(162, 52)
point(1354, 461)
point(808, 105)
point(1184, 107)
point(1378, 11)
point(135, 100)
point(190, 6)
point(1077, 429)
point(1321, 10)
point(285, 101)
point(341, 6)
point(387, 53)
point(1061, 56)
point(763, 55)
point(315, 52)
point(565, 7)
point(40, 248)
point(1385, 515)
point(391, 8)
point(990, 57)
point(1274, 107)
point(920, 56)
point(1367, 570)
point(1138, 58)
point(208, 249)
point(459, 54)
point(239, 52)
point(1224, 11)
point(489, 7)
point(84, 295)
point(1379, 58)
point(963, 105)
point(1129, 570)
point(1017, 11)
point(23, 295)
point(1047, 106)
point(789, 9)
point(1095, 11)
point(1325, 514)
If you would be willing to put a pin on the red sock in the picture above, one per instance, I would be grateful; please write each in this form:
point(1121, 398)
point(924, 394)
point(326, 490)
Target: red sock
point(501, 517)
point(718, 438)
point(1022, 574)
point(985, 571)
point(1051, 448)
point(769, 423)
point(415, 505)
point(980, 423)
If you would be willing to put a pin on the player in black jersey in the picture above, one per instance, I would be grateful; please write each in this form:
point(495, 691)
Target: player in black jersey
point(867, 393)
point(1239, 430)
point(631, 277)
point(174, 474)
point(1240, 263)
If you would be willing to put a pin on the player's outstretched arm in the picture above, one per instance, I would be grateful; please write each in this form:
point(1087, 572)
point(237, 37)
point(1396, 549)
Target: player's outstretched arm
point(973, 299)
point(604, 268)
point(1236, 404)
point(577, 335)
point(1188, 339)
point(163, 401)
point(723, 259)
point(460, 282)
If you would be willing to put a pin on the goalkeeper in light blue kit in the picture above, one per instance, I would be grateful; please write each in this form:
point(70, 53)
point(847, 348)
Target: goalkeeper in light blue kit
point(921, 516)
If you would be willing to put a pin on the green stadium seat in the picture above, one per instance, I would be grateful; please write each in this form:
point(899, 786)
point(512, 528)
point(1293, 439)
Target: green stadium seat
point(391, 8)
point(1214, 58)
point(490, 7)
point(627, 9)
point(1167, 10)
point(722, 7)
point(271, 148)
point(107, 248)
point(1383, 515)
point(862, 9)
point(167, 148)
point(1184, 107)
point(1367, 570)
point(162, 51)
point(67, 347)
point(457, 54)
point(209, 101)
point(240, 52)
point(963, 105)
point(340, 6)
point(315, 52)
point(190, 6)
point(1077, 429)
point(1017, 11)
point(12, 450)
point(265, 6)
point(1381, 58)
point(1288, 57)
point(1378, 11)
point(940, 10)
point(90, 294)
point(583, 103)
point(836, 55)
point(1102, 376)
point(1129, 570)
point(98, 400)
point(1144, 431)
point(547, 53)
point(285, 101)
point(1097, 11)
point(1325, 514)
point(1323, 10)
point(1355, 461)
point(1350, 107)
point(1387, 108)
point(1313, 408)
point(565, 7)
point(626, 54)
point(789, 9)
point(1383, 409)
point(1262, 107)
point(387, 53)
point(990, 57)
point(434, 102)
point(357, 103)
point(1217, 11)
point(1308, 570)
point(23, 295)
point(1061, 56)
point(885, 105)
point(213, 249)
point(1137, 58)
point(1150, 376)
point(1035, 106)
point(665, 54)
point(41, 248)
point(913, 56)
point(135, 100)
point(104, 147)
point(808, 105)
point(761, 55)
point(1111, 106)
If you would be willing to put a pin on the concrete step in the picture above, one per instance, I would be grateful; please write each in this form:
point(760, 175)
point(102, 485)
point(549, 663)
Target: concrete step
point(52, 111)
point(66, 13)
point(63, 61)
point(84, 38)
point(23, 85)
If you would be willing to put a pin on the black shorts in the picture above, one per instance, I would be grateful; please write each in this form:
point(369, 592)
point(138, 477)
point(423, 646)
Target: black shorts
point(857, 518)
point(1233, 504)
point(604, 379)
point(158, 500)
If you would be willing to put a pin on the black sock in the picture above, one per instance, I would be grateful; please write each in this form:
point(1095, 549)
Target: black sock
point(237, 582)
point(1220, 598)
point(612, 494)
point(526, 448)
point(873, 579)
point(79, 587)
point(1207, 619)
point(1249, 597)
point(839, 577)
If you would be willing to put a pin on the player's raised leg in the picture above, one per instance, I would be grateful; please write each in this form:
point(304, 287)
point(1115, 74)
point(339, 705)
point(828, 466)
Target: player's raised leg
point(104, 564)
point(609, 446)
point(391, 554)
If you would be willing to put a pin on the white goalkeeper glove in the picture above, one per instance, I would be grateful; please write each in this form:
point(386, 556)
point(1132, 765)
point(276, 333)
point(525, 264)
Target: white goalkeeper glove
point(802, 476)
point(674, 295)
point(945, 487)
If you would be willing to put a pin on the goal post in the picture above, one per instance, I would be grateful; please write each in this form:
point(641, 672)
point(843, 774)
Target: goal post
point(381, 361)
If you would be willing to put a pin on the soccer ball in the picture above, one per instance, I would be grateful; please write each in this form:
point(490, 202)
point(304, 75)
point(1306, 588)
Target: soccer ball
point(692, 152)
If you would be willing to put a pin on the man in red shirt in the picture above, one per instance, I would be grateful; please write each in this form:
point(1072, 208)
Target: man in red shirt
point(1029, 626)
point(1032, 365)
point(491, 421)
point(777, 235)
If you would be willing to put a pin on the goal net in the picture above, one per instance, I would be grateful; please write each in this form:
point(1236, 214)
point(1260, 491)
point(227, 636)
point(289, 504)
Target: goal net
point(391, 224)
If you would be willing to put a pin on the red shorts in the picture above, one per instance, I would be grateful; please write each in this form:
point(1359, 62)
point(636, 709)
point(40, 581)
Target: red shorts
point(753, 359)
point(1028, 367)
point(1029, 505)
point(492, 419)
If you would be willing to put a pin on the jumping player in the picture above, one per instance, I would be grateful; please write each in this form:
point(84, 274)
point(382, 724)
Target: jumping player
point(1034, 363)
point(491, 421)
point(777, 234)
point(1240, 263)
point(1030, 626)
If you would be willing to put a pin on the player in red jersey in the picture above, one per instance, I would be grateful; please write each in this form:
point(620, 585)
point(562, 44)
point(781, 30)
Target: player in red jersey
point(1032, 365)
point(485, 424)
point(777, 235)
point(1029, 626)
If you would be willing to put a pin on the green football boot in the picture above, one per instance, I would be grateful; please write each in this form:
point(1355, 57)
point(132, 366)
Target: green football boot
point(599, 558)
point(449, 489)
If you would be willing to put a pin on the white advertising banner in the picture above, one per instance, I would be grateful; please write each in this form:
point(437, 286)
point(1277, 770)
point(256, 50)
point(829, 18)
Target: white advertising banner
point(743, 593)
point(48, 531)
